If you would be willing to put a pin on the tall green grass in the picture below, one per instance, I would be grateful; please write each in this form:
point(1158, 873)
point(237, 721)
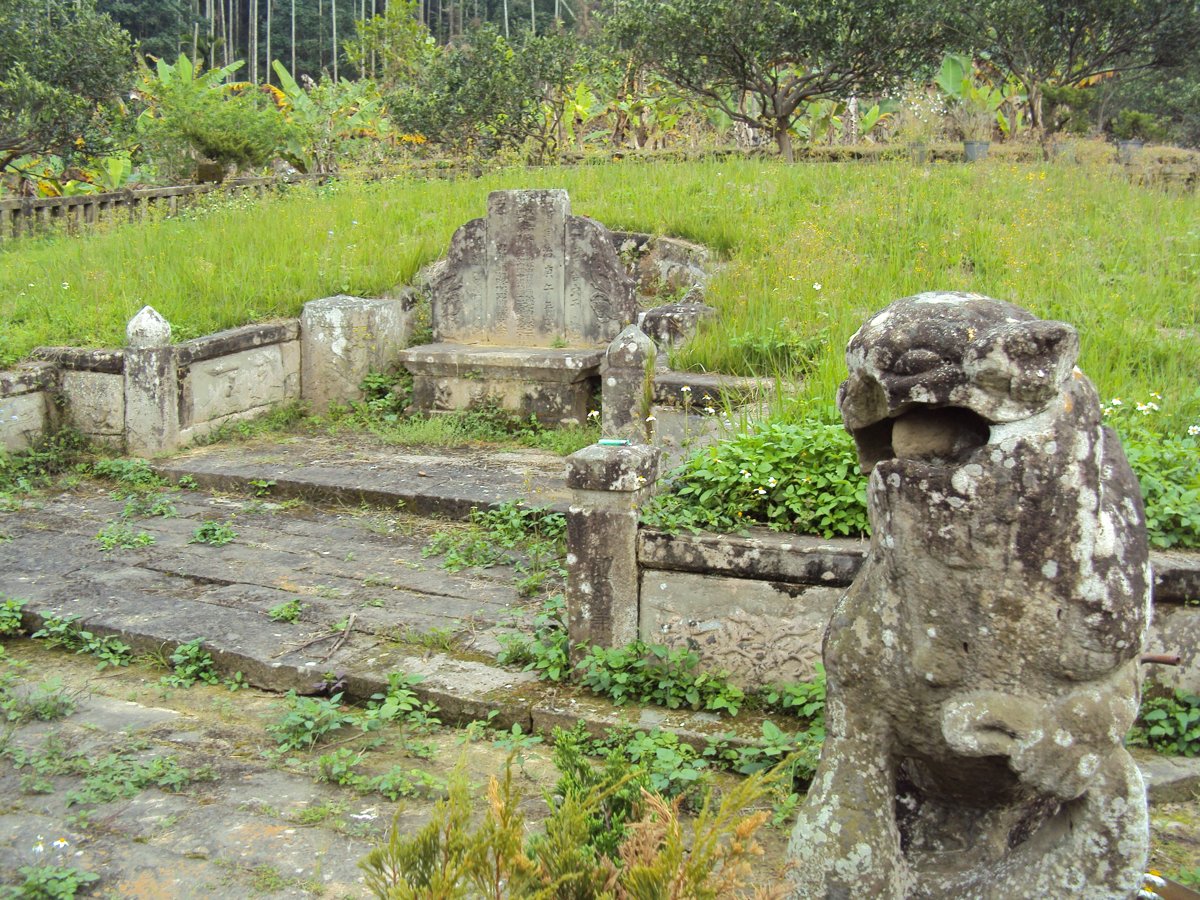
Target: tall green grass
point(1120, 262)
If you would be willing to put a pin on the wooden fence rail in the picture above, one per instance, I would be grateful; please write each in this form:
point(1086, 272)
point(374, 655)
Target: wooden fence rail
point(31, 215)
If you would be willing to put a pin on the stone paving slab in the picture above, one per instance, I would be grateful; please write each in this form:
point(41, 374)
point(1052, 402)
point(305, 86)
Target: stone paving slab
point(439, 482)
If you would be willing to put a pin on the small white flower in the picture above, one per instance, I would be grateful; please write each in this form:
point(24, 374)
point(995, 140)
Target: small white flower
point(594, 414)
point(61, 844)
point(39, 847)
point(709, 410)
point(1154, 395)
point(816, 285)
point(771, 482)
point(1115, 401)
point(1193, 430)
point(762, 492)
point(330, 232)
point(66, 284)
point(651, 419)
point(685, 389)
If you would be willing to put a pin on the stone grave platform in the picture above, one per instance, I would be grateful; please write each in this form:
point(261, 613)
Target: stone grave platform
point(522, 307)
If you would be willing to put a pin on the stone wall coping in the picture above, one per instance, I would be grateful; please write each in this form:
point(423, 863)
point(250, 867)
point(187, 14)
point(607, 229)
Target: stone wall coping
point(237, 340)
point(1176, 575)
point(545, 364)
point(27, 378)
point(669, 388)
point(761, 554)
point(802, 559)
point(106, 361)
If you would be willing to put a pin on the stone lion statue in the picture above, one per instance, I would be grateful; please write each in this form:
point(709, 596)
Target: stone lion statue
point(983, 666)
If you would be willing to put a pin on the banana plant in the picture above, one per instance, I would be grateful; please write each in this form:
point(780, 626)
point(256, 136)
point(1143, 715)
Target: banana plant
point(976, 103)
point(331, 112)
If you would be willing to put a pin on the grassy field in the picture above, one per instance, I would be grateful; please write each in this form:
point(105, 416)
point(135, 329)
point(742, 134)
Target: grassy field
point(809, 251)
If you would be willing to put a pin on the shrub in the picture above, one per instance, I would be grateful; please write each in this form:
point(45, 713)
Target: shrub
point(802, 476)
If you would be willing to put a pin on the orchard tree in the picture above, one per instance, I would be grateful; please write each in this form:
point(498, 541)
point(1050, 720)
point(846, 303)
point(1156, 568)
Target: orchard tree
point(60, 61)
point(1051, 43)
point(778, 54)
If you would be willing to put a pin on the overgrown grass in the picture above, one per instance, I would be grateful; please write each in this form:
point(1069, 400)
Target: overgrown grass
point(810, 251)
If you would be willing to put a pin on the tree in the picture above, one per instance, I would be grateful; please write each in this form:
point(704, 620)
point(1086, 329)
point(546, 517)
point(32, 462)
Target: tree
point(393, 47)
point(1044, 43)
point(481, 93)
point(778, 54)
point(158, 27)
point(60, 60)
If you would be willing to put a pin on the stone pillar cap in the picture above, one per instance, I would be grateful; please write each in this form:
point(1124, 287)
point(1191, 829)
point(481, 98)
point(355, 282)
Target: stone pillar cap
point(606, 468)
point(147, 330)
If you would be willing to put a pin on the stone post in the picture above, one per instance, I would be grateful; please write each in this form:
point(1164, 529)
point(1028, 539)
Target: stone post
point(607, 484)
point(627, 386)
point(151, 386)
point(342, 340)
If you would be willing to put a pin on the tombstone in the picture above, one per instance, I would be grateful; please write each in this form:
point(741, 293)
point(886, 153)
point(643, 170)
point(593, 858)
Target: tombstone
point(522, 307)
point(983, 667)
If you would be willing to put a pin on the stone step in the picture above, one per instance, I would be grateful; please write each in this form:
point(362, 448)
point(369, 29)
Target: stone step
point(433, 482)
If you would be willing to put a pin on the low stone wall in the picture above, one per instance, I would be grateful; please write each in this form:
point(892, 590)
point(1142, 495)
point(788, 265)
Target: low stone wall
point(757, 605)
point(236, 374)
point(154, 396)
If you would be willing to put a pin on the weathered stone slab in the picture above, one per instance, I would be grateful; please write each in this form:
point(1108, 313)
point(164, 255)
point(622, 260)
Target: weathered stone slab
point(343, 339)
point(237, 385)
point(672, 324)
point(762, 632)
point(530, 274)
point(1176, 576)
point(108, 361)
point(95, 403)
point(23, 419)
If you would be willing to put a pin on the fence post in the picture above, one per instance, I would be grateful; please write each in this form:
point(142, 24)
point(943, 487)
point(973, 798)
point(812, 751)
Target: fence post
point(607, 484)
point(151, 386)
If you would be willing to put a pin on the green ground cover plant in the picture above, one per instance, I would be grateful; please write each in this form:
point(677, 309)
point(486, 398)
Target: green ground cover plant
point(530, 539)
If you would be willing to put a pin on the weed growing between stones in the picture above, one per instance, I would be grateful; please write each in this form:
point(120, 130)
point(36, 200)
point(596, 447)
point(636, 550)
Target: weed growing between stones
point(190, 662)
point(215, 534)
point(381, 415)
point(48, 876)
point(288, 611)
point(112, 776)
point(120, 536)
point(1166, 460)
point(798, 476)
point(530, 539)
point(63, 632)
point(10, 616)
